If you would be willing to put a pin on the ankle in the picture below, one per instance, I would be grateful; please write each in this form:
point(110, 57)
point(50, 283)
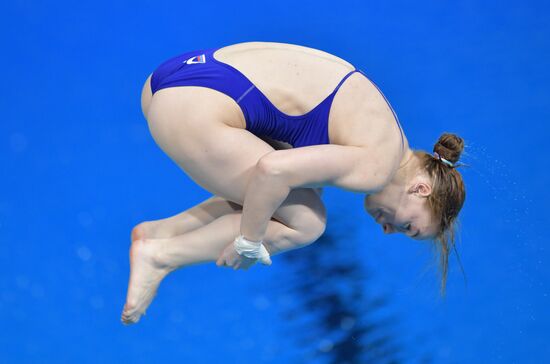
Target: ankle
point(160, 255)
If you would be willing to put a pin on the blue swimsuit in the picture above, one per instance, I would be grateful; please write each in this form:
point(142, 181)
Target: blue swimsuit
point(200, 68)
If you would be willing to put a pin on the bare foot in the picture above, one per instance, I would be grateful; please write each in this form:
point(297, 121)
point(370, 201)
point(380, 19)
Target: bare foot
point(146, 273)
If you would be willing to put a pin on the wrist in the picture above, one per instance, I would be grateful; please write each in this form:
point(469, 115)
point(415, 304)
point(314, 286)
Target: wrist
point(251, 249)
point(258, 242)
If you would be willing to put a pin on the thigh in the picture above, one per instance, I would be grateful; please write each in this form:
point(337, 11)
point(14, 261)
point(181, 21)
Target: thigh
point(219, 157)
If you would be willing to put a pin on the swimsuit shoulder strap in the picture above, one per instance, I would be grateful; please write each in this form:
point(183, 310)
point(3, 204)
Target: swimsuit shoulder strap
point(343, 80)
point(391, 108)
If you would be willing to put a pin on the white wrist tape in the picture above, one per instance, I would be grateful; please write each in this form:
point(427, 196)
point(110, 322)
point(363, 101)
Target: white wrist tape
point(252, 249)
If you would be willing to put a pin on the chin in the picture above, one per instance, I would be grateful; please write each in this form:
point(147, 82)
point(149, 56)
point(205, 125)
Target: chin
point(369, 205)
point(371, 199)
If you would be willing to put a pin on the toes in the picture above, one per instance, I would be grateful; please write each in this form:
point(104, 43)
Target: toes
point(129, 318)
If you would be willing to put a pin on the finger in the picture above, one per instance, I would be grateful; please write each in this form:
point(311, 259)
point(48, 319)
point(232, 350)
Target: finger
point(265, 257)
point(249, 263)
point(266, 261)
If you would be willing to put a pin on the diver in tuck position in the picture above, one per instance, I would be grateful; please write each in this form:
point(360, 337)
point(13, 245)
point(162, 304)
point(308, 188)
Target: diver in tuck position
point(265, 156)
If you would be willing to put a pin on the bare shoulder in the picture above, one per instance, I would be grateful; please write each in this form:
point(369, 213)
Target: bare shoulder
point(362, 116)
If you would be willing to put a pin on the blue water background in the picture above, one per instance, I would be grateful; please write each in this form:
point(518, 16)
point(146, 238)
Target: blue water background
point(78, 169)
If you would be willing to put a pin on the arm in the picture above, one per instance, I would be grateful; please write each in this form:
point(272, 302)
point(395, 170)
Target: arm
point(277, 173)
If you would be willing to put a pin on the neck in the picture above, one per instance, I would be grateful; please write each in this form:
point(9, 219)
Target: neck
point(407, 169)
point(395, 191)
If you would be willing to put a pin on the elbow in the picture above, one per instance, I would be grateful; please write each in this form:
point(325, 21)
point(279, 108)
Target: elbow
point(266, 166)
point(269, 172)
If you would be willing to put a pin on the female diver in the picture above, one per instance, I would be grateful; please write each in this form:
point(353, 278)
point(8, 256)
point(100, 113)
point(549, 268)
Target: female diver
point(252, 124)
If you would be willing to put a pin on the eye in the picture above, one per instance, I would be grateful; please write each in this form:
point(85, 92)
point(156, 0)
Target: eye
point(408, 227)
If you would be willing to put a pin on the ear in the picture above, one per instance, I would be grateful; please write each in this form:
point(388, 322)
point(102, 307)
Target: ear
point(422, 189)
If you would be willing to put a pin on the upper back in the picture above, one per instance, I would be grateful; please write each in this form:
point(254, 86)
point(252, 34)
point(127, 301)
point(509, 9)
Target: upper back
point(297, 78)
point(293, 77)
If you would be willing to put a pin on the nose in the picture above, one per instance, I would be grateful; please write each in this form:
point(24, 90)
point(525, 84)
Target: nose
point(387, 228)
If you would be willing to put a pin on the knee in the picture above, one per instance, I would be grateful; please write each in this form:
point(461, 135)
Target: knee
point(304, 212)
point(312, 227)
point(317, 230)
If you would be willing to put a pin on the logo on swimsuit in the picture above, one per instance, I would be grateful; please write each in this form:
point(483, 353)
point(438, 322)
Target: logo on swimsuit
point(196, 59)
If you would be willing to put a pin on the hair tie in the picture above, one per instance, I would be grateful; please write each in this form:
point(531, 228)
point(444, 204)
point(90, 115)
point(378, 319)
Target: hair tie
point(449, 163)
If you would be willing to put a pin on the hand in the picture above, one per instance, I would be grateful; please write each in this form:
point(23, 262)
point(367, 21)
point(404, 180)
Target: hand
point(230, 258)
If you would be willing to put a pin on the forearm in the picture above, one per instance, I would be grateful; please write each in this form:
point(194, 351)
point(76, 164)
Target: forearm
point(266, 191)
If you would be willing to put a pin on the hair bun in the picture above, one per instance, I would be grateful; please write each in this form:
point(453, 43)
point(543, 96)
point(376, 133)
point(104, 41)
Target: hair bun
point(449, 146)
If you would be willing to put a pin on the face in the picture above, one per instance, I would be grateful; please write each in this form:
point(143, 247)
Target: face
point(410, 215)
